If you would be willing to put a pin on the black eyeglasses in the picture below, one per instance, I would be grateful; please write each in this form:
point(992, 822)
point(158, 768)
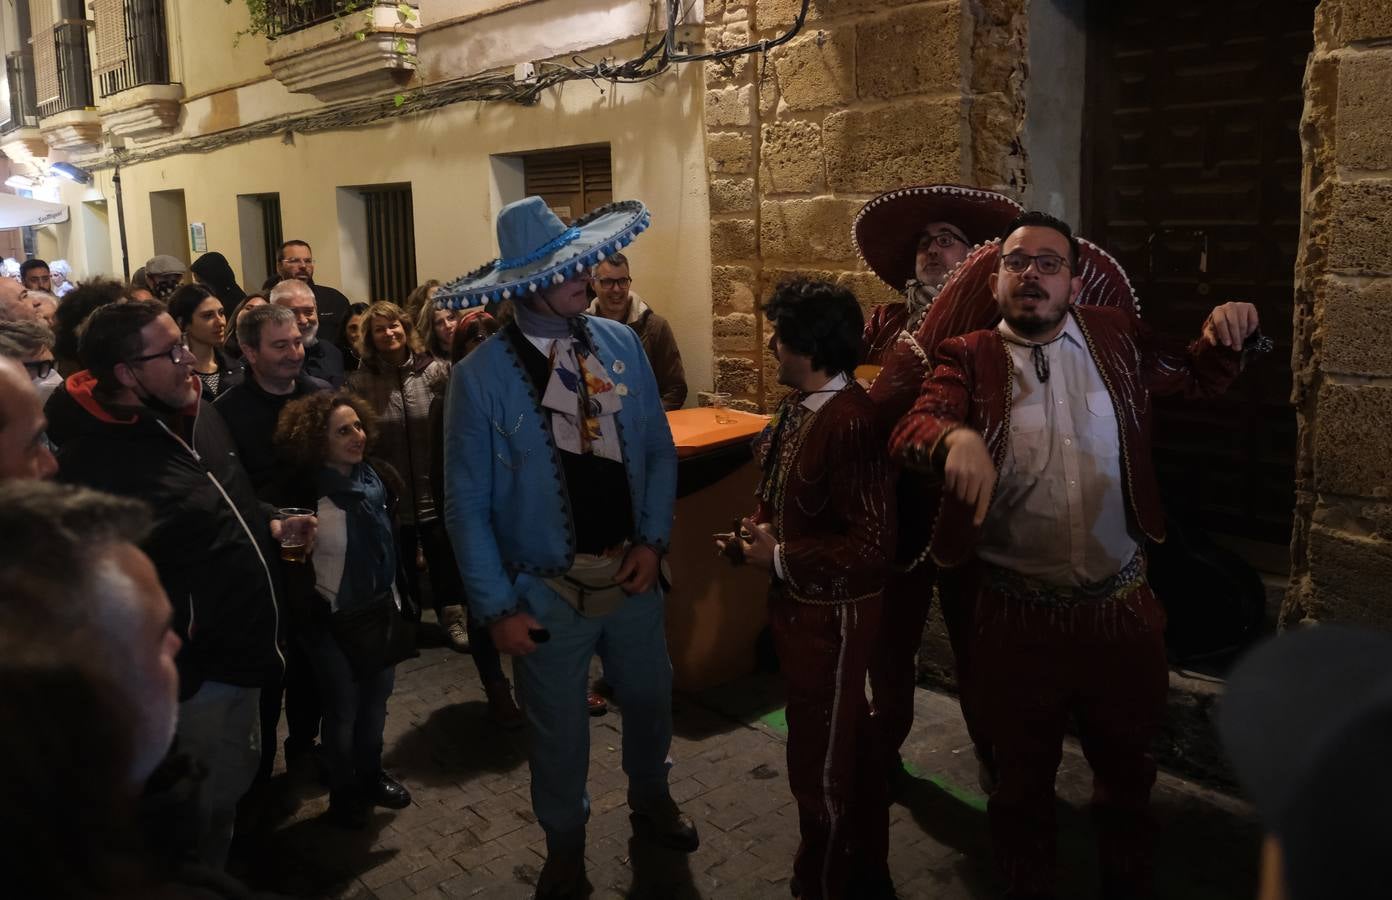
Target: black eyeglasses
point(39, 369)
point(1045, 263)
point(943, 240)
point(175, 354)
point(609, 283)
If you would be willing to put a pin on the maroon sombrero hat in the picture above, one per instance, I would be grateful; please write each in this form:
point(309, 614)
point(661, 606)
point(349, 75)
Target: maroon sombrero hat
point(965, 303)
point(886, 229)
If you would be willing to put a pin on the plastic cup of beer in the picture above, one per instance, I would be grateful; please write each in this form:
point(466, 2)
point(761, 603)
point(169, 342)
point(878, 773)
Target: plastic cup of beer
point(294, 533)
point(720, 402)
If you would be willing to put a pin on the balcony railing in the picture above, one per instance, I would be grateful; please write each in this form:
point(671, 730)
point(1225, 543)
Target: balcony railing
point(147, 49)
point(19, 74)
point(295, 15)
point(74, 71)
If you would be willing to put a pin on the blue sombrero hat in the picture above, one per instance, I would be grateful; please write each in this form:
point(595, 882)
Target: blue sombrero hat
point(538, 249)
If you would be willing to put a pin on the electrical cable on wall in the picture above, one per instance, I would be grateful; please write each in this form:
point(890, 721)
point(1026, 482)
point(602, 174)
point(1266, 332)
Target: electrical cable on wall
point(657, 57)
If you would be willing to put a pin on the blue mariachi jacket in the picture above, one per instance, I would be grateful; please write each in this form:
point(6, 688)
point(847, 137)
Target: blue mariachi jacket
point(507, 507)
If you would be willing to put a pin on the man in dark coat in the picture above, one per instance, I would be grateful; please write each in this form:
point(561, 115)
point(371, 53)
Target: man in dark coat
point(296, 260)
point(134, 424)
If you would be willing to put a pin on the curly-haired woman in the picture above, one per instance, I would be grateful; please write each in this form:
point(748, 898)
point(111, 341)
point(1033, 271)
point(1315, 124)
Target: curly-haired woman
point(355, 570)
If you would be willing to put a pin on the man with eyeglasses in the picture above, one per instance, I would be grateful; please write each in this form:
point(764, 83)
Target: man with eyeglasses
point(1040, 428)
point(296, 260)
point(614, 299)
point(31, 345)
point(133, 423)
point(913, 238)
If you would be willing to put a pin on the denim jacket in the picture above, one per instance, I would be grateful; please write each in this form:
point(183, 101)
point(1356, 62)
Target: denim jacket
point(507, 506)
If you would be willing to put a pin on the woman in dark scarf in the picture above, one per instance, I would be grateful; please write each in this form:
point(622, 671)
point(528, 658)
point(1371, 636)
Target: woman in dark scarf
point(212, 271)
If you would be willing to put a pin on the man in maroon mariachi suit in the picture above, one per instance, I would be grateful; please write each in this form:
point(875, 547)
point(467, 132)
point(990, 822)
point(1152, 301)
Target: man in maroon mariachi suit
point(1041, 429)
point(823, 527)
point(913, 238)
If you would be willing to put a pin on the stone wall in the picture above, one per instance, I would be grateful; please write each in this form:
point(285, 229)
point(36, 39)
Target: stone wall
point(1342, 546)
point(871, 95)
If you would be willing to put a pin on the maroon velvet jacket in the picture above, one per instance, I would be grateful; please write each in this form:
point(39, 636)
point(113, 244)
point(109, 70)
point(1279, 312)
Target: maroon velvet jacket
point(972, 385)
point(882, 330)
point(831, 507)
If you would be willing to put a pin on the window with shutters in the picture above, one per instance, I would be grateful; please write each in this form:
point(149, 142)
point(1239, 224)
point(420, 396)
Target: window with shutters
point(391, 241)
point(62, 73)
point(131, 44)
point(19, 76)
point(572, 180)
point(259, 228)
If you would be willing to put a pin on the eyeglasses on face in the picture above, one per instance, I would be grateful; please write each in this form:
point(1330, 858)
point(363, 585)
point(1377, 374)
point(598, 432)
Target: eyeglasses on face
point(611, 283)
point(299, 260)
point(176, 354)
point(941, 240)
point(38, 369)
point(1045, 263)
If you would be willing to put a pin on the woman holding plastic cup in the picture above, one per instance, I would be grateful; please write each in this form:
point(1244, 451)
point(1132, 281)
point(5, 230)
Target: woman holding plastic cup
point(350, 619)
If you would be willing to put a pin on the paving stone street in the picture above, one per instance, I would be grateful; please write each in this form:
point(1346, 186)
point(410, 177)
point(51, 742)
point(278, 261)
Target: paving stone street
point(470, 832)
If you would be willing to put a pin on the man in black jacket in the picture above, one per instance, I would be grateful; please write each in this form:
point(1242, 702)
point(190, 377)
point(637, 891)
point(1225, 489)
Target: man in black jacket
point(133, 424)
point(296, 260)
point(274, 375)
point(273, 348)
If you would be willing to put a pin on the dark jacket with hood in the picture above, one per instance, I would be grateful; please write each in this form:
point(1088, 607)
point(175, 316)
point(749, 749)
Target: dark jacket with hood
point(211, 542)
point(216, 275)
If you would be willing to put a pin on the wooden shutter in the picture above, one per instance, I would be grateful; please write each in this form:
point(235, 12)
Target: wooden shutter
point(41, 23)
point(391, 242)
point(572, 181)
point(110, 17)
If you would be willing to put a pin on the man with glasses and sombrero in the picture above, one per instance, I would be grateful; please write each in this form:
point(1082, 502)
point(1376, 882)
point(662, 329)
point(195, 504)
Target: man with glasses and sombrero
point(560, 478)
point(913, 239)
point(1040, 429)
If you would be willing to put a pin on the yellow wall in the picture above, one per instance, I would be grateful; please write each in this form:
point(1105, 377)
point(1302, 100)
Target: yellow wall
point(654, 130)
point(210, 55)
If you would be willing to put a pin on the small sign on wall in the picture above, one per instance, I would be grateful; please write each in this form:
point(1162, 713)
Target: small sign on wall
point(198, 238)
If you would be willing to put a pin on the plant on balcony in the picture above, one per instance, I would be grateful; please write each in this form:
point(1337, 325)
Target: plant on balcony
point(272, 18)
point(268, 18)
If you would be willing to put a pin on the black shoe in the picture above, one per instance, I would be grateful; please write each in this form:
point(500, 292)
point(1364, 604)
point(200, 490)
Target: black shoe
point(667, 826)
point(347, 809)
point(563, 877)
point(388, 792)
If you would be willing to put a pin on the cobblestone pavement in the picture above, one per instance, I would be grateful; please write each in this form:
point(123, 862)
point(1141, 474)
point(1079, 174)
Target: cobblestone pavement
point(470, 832)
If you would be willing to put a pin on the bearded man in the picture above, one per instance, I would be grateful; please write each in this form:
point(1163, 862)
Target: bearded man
point(1040, 428)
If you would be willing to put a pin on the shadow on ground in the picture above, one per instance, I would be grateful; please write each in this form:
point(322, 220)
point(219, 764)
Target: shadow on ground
point(453, 743)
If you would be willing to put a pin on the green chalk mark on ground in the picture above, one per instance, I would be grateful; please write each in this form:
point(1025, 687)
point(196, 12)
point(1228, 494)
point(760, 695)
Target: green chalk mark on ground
point(777, 720)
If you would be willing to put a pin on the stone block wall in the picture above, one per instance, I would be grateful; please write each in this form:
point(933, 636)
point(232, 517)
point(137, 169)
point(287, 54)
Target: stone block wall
point(1342, 546)
point(871, 95)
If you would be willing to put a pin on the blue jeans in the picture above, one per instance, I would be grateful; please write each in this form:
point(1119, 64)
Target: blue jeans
point(552, 683)
point(219, 727)
point(355, 712)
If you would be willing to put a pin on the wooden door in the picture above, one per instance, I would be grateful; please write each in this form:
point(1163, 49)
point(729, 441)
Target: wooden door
point(1192, 179)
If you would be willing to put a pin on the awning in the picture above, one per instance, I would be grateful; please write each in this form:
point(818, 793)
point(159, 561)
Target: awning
point(17, 212)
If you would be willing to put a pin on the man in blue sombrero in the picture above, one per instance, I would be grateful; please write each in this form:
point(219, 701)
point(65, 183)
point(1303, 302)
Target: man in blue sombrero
point(560, 480)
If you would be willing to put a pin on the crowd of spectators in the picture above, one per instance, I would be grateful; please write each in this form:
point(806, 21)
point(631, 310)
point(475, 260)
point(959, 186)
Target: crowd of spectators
point(166, 444)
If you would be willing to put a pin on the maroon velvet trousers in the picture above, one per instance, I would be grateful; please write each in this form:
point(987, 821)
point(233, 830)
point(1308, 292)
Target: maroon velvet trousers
point(893, 667)
point(1034, 666)
point(835, 765)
